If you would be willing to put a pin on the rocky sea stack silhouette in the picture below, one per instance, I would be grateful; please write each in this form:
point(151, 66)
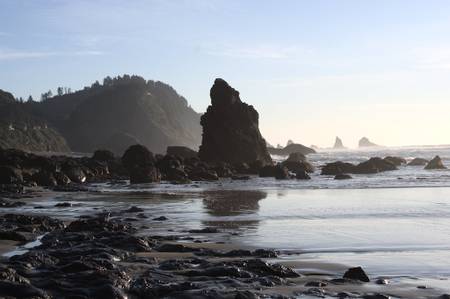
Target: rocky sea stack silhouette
point(365, 142)
point(231, 129)
point(338, 144)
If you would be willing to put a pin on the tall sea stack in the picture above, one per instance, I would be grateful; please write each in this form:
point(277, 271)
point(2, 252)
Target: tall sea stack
point(230, 129)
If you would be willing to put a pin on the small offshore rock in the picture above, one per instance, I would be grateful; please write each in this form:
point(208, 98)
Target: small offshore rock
point(435, 163)
point(356, 273)
point(418, 162)
point(343, 176)
point(302, 175)
point(63, 205)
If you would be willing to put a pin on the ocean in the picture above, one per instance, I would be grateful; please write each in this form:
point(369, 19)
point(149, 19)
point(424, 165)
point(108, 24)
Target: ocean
point(394, 224)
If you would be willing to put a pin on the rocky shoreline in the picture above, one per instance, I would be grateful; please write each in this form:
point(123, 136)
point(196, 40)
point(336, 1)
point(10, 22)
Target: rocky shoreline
point(111, 254)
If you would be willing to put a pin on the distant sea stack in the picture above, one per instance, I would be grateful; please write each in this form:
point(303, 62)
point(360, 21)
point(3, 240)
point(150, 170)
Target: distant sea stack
point(231, 129)
point(338, 144)
point(365, 142)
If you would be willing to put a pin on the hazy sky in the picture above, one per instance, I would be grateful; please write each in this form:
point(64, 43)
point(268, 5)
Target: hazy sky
point(313, 69)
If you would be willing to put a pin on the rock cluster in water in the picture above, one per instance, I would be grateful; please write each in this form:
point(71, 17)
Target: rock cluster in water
point(230, 129)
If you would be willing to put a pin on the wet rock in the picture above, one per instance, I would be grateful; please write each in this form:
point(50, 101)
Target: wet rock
point(382, 281)
point(418, 162)
point(262, 268)
point(296, 157)
point(137, 155)
point(161, 218)
point(230, 129)
point(246, 295)
point(374, 165)
point(356, 273)
point(45, 178)
point(435, 163)
point(342, 176)
point(10, 175)
point(182, 152)
point(302, 175)
point(13, 235)
point(169, 247)
point(98, 224)
point(397, 161)
point(103, 156)
point(74, 171)
point(297, 166)
point(201, 174)
point(31, 224)
point(140, 163)
point(62, 179)
point(337, 168)
point(278, 171)
point(63, 205)
point(176, 175)
point(144, 174)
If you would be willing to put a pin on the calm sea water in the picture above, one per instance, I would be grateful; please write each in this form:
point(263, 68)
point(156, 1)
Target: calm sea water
point(393, 223)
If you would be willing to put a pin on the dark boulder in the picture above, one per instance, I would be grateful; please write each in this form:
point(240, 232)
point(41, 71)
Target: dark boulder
point(302, 175)
point(103, 156)
point(144, 174)
point(182, 152)
point(75, 172)
point(140, 163)
point(337, 168)
point(62, 179)
point(374, 165)
point(418, 162)
point(10, 175)
point(356, 273)
point(435, 163)
point(298, 166)
point(44, 178)
point(296, 157)
point(397, 161)
point(203, 174)
point(277, 171)
point(137, 155)
point(231, 129)
point(342, 176)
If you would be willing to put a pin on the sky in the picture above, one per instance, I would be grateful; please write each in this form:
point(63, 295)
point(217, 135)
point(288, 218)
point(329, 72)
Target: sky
point(313, 69)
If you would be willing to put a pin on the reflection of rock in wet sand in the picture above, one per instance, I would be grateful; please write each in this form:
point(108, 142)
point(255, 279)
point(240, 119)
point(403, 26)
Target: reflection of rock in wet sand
point(233, 202)
point(221, 204)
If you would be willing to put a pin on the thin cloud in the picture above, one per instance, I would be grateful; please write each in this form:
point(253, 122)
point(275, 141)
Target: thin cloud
point(13, 55)
point(255, 51)
point(433, 58)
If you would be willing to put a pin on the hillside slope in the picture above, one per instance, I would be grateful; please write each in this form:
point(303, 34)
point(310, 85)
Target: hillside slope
point(120, 112)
